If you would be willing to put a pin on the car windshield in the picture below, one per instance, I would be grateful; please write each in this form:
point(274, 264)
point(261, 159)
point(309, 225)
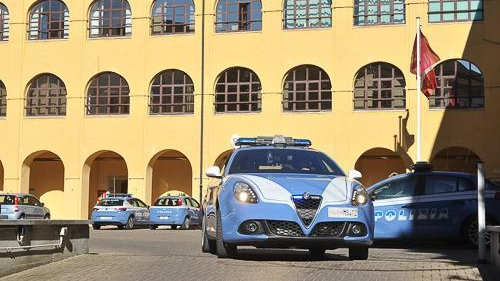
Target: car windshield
point(7, 199)
point(168, 201)
point(110, 202)
point(283, 160)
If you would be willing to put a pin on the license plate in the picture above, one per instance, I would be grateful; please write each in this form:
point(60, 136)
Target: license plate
point(104, 218)
point(163, 218)
point(334, 212)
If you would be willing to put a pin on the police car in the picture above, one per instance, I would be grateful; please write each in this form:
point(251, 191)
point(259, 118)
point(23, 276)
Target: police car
point(122, 210)
point(277, 192)
point(426, 204)
point(174, 211)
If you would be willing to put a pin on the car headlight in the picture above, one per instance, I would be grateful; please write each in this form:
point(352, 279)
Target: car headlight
point(244, 193)
point(359, 196)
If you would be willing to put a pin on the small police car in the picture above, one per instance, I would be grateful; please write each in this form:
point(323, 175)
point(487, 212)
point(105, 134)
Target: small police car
point(121, 210)
point(427, 204)
point(276, 192)
point(175, 211)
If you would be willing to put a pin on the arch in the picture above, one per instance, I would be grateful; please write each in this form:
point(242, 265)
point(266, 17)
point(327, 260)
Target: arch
point(379, 163)
point(238, 15)
point(103, 171)
point(110, 18)
point(171, 92)
point(169, 171)
point(307, 88)
point(460, 84)
point(307, 14)
point(221, 160)
point(238, 90)
point(48, 19)
point(455, 158)
point(42, 174)
point(46, 96)
point(3, 99)
point(4, 22)
point(379, 85)
point(108, 94)
point(172, 17)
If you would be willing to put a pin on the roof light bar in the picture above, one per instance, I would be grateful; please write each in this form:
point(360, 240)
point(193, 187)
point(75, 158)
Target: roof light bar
point(277, 140)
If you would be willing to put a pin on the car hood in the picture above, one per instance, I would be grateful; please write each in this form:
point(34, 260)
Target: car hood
point(281, 187)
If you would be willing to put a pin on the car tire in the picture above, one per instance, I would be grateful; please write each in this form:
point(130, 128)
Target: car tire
point(470, 232)
point(207, 245)
point(174, 227)
point(186, 223)
point(152, 226)
point(130, 223)
point(223, 250)
point(96, 226)
point(317, 252)
point(358, 253)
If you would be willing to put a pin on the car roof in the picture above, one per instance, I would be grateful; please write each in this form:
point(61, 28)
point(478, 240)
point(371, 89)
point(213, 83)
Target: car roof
point(420, 173)
point(17, 194)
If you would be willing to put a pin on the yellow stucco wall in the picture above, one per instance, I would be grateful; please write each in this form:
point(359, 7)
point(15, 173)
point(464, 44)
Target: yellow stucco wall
point(138, 138)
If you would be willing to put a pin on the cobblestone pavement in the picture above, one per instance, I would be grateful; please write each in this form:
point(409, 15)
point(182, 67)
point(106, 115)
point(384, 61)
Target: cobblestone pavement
point(175, 255)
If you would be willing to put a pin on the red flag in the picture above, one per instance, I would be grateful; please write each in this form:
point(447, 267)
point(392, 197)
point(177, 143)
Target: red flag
point(427, 59)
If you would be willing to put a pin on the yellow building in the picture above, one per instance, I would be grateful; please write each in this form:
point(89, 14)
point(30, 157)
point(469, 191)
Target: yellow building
point(142, 96)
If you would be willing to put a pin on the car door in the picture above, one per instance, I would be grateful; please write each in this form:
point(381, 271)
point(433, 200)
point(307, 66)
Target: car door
point(38, 210)
point(143, 210)
point(445, 202)
point(26, 208)
point(394, 207)
point(195, 215)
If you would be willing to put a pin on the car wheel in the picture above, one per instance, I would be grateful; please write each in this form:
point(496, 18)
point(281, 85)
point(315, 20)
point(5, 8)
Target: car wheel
point(317, 252)
point(96, 226)
point(223, 250)
point(173, 227)
point(185, 224)
point(152, 226)
point(470, 232)
point(207, 245)
point(358, 253)
point(130, 223)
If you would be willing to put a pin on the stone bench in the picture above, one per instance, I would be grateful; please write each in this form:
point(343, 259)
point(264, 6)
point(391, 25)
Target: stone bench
point(494, 244)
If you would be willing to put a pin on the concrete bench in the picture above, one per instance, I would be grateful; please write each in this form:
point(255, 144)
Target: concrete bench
point(494, 244)
point(28, 243)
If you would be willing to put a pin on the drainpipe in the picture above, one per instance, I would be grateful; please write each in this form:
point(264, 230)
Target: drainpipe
point(202, 95)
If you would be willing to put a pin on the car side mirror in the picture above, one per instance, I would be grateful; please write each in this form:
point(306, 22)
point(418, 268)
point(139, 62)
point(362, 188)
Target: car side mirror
point(373, 196)
point(213, 172)
point(354, 174)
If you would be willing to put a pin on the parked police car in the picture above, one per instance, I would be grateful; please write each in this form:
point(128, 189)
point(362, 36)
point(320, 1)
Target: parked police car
point(174, 211)
point(276, 192)
point(430, 204)
point(121, 210)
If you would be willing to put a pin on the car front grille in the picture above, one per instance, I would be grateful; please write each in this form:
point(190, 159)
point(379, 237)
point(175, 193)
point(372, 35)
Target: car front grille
point(328, 229)
point(285, 228)
point(307, 208)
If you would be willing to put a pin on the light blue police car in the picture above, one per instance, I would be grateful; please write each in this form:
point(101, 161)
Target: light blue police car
point(121, 210)
point(276, 192)
point(426, 204)
point(174, 211)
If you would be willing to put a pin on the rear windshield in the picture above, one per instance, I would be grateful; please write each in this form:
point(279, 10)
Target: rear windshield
point(110, 202)
point(7, 199)
point(168, 201)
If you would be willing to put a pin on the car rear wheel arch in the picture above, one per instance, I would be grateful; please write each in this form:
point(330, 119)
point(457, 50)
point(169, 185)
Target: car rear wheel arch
point(468, 230)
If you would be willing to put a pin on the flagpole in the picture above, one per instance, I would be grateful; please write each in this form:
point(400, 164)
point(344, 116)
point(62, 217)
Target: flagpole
point(419, 152)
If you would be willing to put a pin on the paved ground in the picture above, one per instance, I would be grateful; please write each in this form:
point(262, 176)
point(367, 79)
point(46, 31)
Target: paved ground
point(166, 254)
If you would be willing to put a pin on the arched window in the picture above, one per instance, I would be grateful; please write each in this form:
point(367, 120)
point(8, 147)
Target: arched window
point(307, 14)
point(172, 16)
point(460, 84)
point(3, 100)
point(307, 88)
point(171, 93)
point(46, 96)
point(377, 12)
point(238, 15)
point(463, 10)
point(110, 18)
point(4, 23)
point(49, 19)
point(379, 85)
point(108, 94)
point(238, 90)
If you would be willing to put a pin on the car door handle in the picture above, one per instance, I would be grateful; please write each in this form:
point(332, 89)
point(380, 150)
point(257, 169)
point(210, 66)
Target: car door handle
point(408, 206)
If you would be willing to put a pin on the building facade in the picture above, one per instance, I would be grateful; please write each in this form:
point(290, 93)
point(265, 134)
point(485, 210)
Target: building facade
point(142, 96)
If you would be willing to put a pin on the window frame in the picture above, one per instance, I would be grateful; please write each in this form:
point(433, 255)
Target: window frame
point(167, 92)
point(43, 26)
point(103, 93)
point(99, 15)
point(382, 103)
point(160, 15)
point(362, 10)
point(3, 99)
point(248, 16)
point(40, 98)
point(4, 22)
point(443, 14)
point(235, 89)
point(291, 15)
